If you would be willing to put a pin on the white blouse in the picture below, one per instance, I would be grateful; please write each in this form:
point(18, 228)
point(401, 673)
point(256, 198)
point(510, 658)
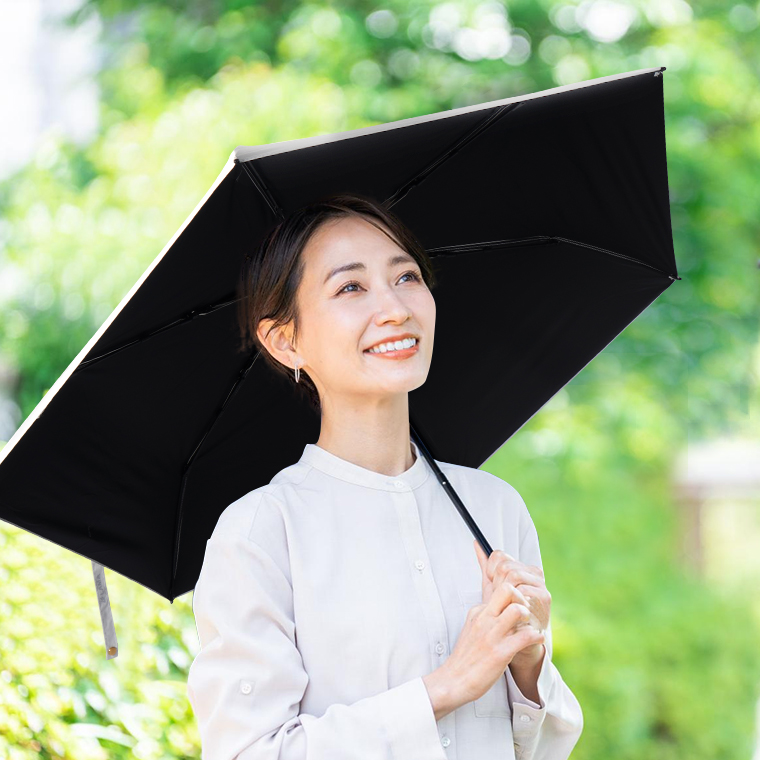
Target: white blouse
point(324, 598)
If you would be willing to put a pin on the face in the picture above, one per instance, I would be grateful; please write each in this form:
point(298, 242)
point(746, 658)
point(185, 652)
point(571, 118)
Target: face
point(343, 313)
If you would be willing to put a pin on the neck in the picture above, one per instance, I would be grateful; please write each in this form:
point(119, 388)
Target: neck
point(375, 437)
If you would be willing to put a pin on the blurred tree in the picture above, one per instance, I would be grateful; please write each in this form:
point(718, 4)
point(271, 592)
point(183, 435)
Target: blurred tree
point(657, 669)
point(690, 351)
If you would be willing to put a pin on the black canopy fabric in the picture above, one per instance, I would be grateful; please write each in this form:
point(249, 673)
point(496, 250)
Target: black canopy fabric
point(547, 218)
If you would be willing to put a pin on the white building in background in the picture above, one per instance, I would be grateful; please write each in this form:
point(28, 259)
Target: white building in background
point(717, 490)
point(47, 78)
point(47, 85)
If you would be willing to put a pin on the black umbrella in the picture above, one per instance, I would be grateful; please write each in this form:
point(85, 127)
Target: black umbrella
point(557, 200)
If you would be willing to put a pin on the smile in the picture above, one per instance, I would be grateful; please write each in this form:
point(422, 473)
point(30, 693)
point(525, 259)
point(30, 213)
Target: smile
point(407, 347)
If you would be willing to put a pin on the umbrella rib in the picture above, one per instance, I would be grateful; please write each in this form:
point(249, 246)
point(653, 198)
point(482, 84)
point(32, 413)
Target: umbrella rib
point(200, 312)
point(448, 249)
point(261, 186)
point(242, 374)
point(614, 253)
point(466, 247)
point(537, 240)
point(464, 140)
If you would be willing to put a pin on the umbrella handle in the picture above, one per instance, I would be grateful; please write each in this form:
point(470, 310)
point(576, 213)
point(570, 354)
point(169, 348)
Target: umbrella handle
point(106, 616)
point(453, 495)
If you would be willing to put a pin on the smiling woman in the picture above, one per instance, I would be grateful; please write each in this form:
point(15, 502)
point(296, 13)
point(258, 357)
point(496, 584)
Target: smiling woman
point(307, 270)
point(338, 606)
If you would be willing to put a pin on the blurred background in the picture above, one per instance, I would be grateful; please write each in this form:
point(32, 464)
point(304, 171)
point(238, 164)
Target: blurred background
point(642, 474)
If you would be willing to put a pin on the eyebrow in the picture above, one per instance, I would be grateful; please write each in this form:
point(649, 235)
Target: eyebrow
point(398, 258)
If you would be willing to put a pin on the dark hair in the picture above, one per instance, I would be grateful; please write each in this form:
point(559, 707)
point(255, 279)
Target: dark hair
point(270, 277)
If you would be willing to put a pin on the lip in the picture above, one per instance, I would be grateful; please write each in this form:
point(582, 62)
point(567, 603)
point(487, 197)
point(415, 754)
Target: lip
point(394, 338)
point(397, 354)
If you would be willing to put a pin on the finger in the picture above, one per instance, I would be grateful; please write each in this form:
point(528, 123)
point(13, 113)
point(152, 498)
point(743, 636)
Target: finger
point(496, 558)
point(536, 597)
point(503, 595)
point(540, 606)
point(518, 574)
point(482, 561)
point(536, 570)
point(518, 577)
point(525, 637)
point(480, 554)
point(531, 602)
point(514, 615)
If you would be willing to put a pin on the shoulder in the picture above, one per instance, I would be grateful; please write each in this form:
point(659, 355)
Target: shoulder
point(267, 502)
point(483, 487)
point(238, 518)
point(480, 479)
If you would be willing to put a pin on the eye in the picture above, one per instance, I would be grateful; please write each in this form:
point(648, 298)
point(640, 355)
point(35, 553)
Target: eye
point(415, 278)
point(414, 274)
point(347, 285)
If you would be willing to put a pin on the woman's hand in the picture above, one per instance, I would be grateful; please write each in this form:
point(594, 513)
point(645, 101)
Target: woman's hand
point(490, 639)
point(502, 568)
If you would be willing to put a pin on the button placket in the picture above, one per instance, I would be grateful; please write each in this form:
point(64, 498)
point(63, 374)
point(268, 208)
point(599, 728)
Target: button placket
point(410, 528)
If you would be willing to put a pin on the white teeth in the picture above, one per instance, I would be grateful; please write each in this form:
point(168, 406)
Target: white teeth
point(392, 346)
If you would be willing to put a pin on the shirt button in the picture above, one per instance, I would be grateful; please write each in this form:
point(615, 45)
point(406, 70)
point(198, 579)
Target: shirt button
point(245, 687)
point(440, 648)
point(419, 564)
point(525, 718)
point(399, 484)
point(445, 741)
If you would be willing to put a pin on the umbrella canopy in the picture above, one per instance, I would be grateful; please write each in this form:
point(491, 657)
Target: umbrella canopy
point(547, 219)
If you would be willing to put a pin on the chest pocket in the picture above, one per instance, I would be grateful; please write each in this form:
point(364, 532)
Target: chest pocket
point(494, 703)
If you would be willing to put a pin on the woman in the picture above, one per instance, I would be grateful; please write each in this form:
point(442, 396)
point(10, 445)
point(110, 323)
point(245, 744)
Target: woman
point(340, 610)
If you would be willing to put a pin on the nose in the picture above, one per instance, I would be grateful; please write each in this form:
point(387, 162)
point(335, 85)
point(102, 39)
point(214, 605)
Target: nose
point(391, 306)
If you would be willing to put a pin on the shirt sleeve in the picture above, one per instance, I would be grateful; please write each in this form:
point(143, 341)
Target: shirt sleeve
point(550, 729)
point(246, 683)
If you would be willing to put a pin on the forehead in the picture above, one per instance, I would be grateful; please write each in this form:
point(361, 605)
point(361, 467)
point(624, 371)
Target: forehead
point(347, 241)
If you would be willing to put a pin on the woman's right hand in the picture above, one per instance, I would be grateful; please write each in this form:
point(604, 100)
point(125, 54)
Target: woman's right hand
point(491, 636)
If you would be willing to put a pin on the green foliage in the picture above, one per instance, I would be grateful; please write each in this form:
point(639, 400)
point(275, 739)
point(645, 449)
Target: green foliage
point(59, 696)
point(664, 664)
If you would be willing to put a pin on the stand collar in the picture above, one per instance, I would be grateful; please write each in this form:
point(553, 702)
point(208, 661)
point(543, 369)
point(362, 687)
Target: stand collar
point(342, 469)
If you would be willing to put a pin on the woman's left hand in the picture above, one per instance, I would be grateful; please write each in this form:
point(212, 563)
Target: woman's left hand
point(529, 580)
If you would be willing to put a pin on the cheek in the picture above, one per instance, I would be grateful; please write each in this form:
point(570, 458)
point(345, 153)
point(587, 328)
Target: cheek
point(421, 305)
point(425, 310)
point(338, 339)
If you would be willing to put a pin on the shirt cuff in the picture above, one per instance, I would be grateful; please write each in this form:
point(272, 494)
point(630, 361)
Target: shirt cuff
point(409, 721)
point(527, 715)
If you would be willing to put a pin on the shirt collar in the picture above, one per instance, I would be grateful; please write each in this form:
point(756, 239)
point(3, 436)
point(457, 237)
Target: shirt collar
point(342, 469)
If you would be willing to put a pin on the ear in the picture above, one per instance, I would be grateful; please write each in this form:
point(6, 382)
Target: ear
point(276, 340)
